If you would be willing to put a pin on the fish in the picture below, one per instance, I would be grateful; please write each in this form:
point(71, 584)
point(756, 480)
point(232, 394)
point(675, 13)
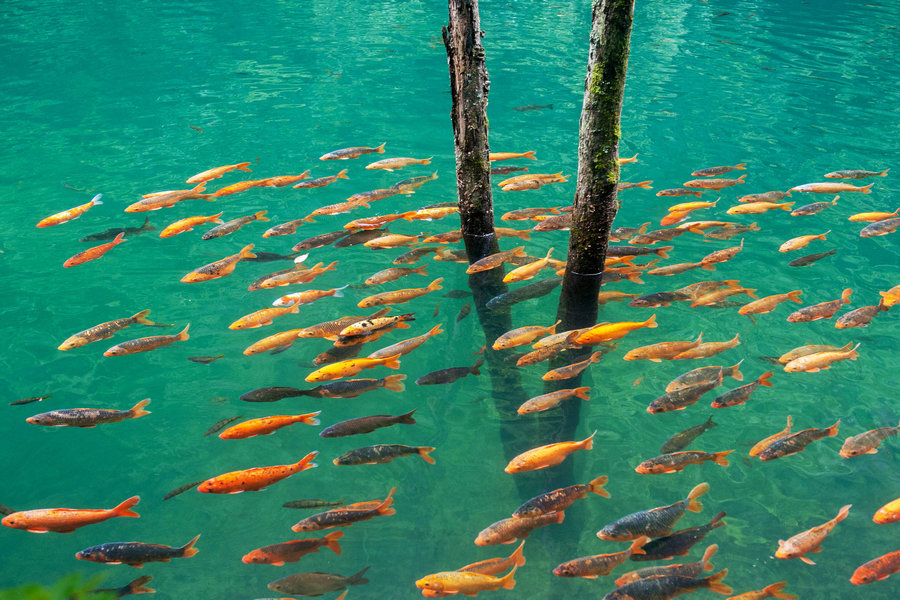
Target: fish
point(394, 273)
point(217, 172)
point(273, 394)
point(859, 317)
point(814, 208)
point(774, 196)
point(755, 208)
point(67, 520)
point(88, 417)
point(146, 344)
point(859, 174)
point(382, 453)
point(167, 199)
point(655, 522)
point(220, 425)
point(707, 349)
point(685, 570)
point(796, 442)
point(801, 242)
point(676, 269)
point(555, 223)
point(28, 400)
point(677, 461)
point(612, 296)
point(282, 180)
point(265, 316)
point(316, 583)
point(219, 268)
point(527, 271)
point(319, 241)
point(507, 531)
point(763, 444)
point(659, 235)
point(361, 425)
point(770, 591)
point(322, 181)
point(623, 233)
point(810, 540)
point(135, 553)
point(464, 311)
point(347, 368)
point(683, 439)
point(830, 187)
point(313, 503)
point(399, 296)
point(364, 326)
point(709, 172)
point(704, 375)
point(506, 170)
point(181, 489)
point(347, 515)
point(769, 303)
point(560, 499)
point(666, 586)
point(412, 184)
point(523, 214)
point(448, 237)
point(355, 152)
point(354, 387)
point(591, 567)
point(606, 332)
point(823, 310)
point(450, 375)
point(681, 398)
point(240, 186)
point(877, 569)
point(429, 214)
point(279, 554)
point(70, 214)
point(233, 225)
point(525, 292)
point(536, 107)
point(890, 297)
point(718, 295)
point(391, 164)
point(741, 394)
point(393, 240)
point(493, 261)
point(878, 228)
point(804, 261)
point(812, 349)
point(726, 233)
point(106, 330)
point(188, 224)
point(873, 216)
point(267, 425)
point(680, 542)
point(292, 276)
point(889, 513)
point(205, 360)
point(406, 346)
point(495, 566)
point(288, 228)
point(573, 370)
point(699, 289)
point(662, 351)
point(713, 184)
point(256, 479)
point(468, 583)
point(680, 192)
point(548, 455)
point(720, 256)
point(552, 400)
point(494, 156)
point(138, 586)
point(109, 234)
point(867, 442)
point(625, 161)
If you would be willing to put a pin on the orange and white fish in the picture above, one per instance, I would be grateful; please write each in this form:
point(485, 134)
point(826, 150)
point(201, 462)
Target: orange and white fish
point(527, 271)
point(819, 361)
point(282, 180)
point(253, 480)
point(346, 368)
point(68, 215)
point(67, 520)
point(548, 455)
point(93, 253)
point(267, 425)
point(872, 217)
point(220, 268)
point(889, 513)
point(158, 200)
point(390, 164)
point(522, 335)
point(188, 224)
point(810, 540)
point(217, 172)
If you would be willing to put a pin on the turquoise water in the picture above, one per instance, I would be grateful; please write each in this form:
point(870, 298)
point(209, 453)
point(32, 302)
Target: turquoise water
point(104, 98)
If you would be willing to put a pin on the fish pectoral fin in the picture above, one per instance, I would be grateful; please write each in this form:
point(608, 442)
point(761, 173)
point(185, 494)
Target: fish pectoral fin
point(872, 451)
point(47, 531)
point(806, 560)
point(589, 576)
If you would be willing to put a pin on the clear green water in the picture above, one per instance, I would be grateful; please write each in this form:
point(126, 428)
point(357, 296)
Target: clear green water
point(104, 97)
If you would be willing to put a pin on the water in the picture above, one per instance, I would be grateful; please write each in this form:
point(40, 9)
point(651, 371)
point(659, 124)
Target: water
point(106, 98)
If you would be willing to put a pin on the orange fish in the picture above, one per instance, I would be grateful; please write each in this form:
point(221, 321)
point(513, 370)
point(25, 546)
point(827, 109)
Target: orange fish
point(770, 591)
point(392, 240)
point(400, 296)
point(67, 520)
point(801, 242)
point(234, 188)
point(605, 332)
point(877, 569)
point(265, 316)
point(707, 349)
point(889, 513)
point(296, 275)
point(552, 400)
point(278, 342)
point(68, 215)
point(755, 208)
point(252, 480)
point(508, 155)
point(188, 224)
point(94, 253)
point(493, 261)
point(266, 425)
point(218, 172)
point(768, 304)
point(346, 368)
point(282, 180)
point(527, 271)
point(625, 161)
point(465, 582)
point(872, 217)
point(220, 268)
point(570, 371)
point(548, 455)
point(522, 336)
point(278, 554)
point(810, 540)
point(662, 351)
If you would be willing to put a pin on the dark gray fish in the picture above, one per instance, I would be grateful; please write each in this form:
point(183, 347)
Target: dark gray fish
point(110, 234)
point(555, 223)
point(29, 400)
point(655, 522)
point(458, 294)
point(880, 228)
point(619, 251)
point(138, 586)
point(352, 388)
point(205, 360)
point(218, 399)
point(366, 424)
point(233, 225)
point(264, 257)
point(313, 503)
point(415, 254)
point(658, 588)
point(221, 425)
point(408, 186)
point(382, 453)
point(678, 543)
point(810, 259)
point(811, 209)
point(273, 394)
point(182, 489)
point(464, 311)
point(682, 398)
point(336, 353)
point(526, 292)
point(659, 299)
point(856, 174)
point(316, 583)
point(5, 510)
point(318, 241)
point(536, 107)
point(69, 186)
point(506, 170)
point(136, 553)
point(683, 439)
point(449, 375)
point(360, 237)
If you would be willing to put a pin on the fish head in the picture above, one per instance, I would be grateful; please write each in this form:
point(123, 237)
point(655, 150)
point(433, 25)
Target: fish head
point(565, 570)
point(39, 420)
point(276, 586)
point(92, 554)
point(862, 575)
point(10, 521)
point(430, 582)
point(614, 532)
point(72, 342)
point(786, 550)
point(254, 558)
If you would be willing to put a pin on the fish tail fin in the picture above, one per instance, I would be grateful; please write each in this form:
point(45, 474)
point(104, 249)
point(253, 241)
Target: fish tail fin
point(391, 362)
point(243, 167)
point(883, 173)
point(693, 504)
point(741, 178)
point(331, 266)
point(138, 586)
point(246, 252)
point(795, 296)
point(357, 578)
point(474, 370)
point(420, 270)
point(787, 205)
point(380, 149)
point(698, 193)
point(833, 431)
point(764, 379)
point(507, 582)
point(138, 409)
point(708, 266)
point(714, 583)
point(395, 383)
point(866, 189)
point(260, 216)
point(645, 184)
point(188, 549)
point(638, 544)
point(588, 442)
point(774, 591)
point(552, 329)
point(582, 392)
point(842, 514)
point(720, 458)
point(651, 322)
point(424, 453)
point(523, 235)
point(339, 292)
point(407, 419)
point(530, 154)
point(385, 507)
point(331, 541)
point(596, 486)
point(183, 335)
point(426, 161)
point(141, 318)
point(663, 251)
point(845, 295)
point(741, 166)
point(821, 236)
point(307, 461)
point(124, 509)
point(310, 418)
point(518, 556)
point(435, 330)
point(96, 200)
point(707, 555)
point(751, 292)
point(435, 285)
point(342, 174)
point(634, 278)
point(561, 517)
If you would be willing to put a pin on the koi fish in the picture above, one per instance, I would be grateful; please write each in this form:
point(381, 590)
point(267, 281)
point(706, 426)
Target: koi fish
point(67, 520)
point(233, 225)
point(267, 425)
point(681, 398)
point(527, 271)
point(804, 261)
point(709, 172)
point(283, 180)
point(494, 156)
point(801, 242)
point(766, 197)
point(591, 567)
point(317, 583)
point(106, 330)
point(755, 208)
point(279, 554)
point(94, 253)
point(406, 346)
point(88, 417)
point(857, 174)
point(889, 513)
point(68, 215)
point(400, 296)
point(546, 456)
point(188, 224)
point(814, 208)
point(770, 591)
point(859, 317)
point(809, 540)
point(677, 461)
point(552, 400)
point(217, 172)
point(465, 582)
point(347, 515)
point(873, 216)
point(877, 569)
point(253, 480)
point(662, 351)
point(830, 187)
point(507, 531)
point(880, 228)
point(265, 316)
point(769, 303)
point(135, 553)
point(680, 192)
point(763, 444)
point(146, 344)
point(707, 349)
point(220, 268)
point(866, 443)
point(605, 332)
point(240, 186)
point(668, 587)
point(655, 522)
point(355, 152)
point(796, 442)
point(823, 310)
point(680, 542)
point(450, 375)
point(741, 394)
point(361, 425)
point(713, 184)
point(685, 570)
point(382, 453)
point(347, 368)
point(168, 199)
point(683, 439)
point(493, 261)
